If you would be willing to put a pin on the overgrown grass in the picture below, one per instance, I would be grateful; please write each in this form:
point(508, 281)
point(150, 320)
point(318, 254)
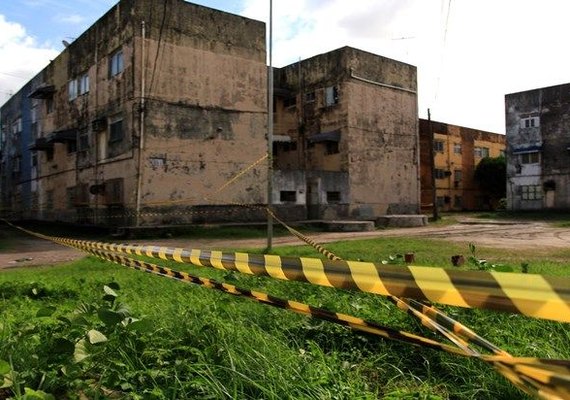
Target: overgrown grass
point(199, 343)
point(556, 218)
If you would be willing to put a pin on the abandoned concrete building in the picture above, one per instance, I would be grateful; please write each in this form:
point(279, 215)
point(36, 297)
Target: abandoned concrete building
point(146, 116)
point(538, 151)
point(457, 151)
point(346, 141)
point(140, 112)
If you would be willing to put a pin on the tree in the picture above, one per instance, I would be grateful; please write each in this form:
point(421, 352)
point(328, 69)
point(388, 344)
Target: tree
point(491, 175)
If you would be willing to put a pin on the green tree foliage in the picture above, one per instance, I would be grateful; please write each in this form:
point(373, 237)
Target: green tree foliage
point(491, 175)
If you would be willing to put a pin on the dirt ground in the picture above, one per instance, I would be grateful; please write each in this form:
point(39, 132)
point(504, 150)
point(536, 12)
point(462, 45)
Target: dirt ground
point(523, 235)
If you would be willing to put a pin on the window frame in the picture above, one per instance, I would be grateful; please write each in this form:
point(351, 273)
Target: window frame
point(116, 63)
point(438, 146)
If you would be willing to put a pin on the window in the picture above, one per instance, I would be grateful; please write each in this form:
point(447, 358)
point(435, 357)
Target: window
point(70, 196)
point(530, 158)
point(331, 96)
point(531, 192)
point(310, 97)
point(49, 154)
point(17, 164)
point(501, 153)
point(72, 89)
point(114, 191)
point(116, 131)
point(458, 175)
point(481, 152)
point(457, 148)
point(439, 173)
point(440, 201)
point(83, 143)
point(49, 105)
point(49, 200)
point(71, 146)
point(83, 84)
point(82, 194)
point(116, 64)
point(458, 202)
point(530, 122)
point(34, 158)
point(331, 148)
point(290, 102)
point(288, 196)
point(333, 197)
point(438, 146)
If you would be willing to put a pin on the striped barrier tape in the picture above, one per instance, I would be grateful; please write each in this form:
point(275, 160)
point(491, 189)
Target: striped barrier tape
point(548, 379)
point(528, 294)
point(429, 316)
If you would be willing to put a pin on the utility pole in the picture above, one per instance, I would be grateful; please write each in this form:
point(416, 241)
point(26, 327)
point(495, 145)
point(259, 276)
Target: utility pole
point(432, 162)
point(270, 133)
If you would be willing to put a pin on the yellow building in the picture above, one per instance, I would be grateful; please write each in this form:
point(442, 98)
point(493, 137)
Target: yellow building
point(457, 152)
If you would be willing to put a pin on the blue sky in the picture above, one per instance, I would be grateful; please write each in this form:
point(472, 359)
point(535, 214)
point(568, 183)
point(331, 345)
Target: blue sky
point(469, 53)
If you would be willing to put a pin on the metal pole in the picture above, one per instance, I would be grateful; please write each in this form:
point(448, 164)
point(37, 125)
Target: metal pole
point(141, 122)
point(432, 157)
point(270, 132)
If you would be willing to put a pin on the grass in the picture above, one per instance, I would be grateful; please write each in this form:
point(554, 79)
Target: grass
point(559, 219)
point(199, 343)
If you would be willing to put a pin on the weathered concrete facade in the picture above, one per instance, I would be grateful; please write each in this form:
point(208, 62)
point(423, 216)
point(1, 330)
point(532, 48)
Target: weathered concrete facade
point(457, 152)
point(152, 108)
point(538, 152)
point(346, 126)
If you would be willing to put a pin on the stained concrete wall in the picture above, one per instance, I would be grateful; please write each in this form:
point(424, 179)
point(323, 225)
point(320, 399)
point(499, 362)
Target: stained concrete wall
point(550, 107)
point(369, 133)
point(204, 113)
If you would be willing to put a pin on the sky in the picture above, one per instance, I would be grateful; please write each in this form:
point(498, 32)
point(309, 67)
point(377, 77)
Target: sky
point(469, 53)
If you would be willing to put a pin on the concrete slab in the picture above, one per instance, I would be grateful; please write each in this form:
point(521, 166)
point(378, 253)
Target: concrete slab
point(401, 221)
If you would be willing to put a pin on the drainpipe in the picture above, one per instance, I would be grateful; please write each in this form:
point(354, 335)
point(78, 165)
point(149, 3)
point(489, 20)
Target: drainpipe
point(141, 122)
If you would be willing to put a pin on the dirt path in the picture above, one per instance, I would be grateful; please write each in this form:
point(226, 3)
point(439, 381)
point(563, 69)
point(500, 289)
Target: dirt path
point(25, 250)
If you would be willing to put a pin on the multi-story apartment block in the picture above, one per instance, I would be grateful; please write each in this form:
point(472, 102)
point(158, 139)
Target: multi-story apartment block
point(538, 152)
point(346, 143)
point(457, 151)
point(153, 108)
point(146, 116)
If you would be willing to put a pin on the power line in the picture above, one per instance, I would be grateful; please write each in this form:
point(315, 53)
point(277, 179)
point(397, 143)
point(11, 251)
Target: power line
point(15, 75)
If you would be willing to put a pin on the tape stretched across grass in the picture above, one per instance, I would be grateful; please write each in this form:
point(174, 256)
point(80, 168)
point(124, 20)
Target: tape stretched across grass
point(528, 294)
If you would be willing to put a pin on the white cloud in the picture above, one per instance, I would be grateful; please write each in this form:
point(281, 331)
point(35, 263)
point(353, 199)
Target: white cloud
point(22, 57)
point(492, 47)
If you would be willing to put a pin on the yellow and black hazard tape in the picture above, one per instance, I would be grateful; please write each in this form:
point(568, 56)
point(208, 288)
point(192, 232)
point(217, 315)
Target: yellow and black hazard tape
point(528, 294)
point(429, 316)
point(549, 379)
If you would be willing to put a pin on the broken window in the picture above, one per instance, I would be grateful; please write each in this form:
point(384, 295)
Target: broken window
point(333, 197)
point(438, 146)
point(331, 96)
point(288, 196)
point(116, 64)
point(310, 97)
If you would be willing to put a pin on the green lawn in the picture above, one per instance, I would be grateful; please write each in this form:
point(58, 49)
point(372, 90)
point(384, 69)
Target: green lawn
point(193, 342)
